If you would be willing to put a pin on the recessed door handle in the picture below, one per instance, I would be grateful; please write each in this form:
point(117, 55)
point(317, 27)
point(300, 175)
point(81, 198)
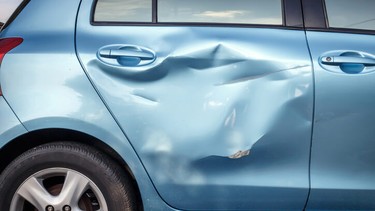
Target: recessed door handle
point(116, 53)
point(339, 60)
point(126, 56)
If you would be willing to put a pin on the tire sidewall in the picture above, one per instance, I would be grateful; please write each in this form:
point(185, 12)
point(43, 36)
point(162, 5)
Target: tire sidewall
point(92, 167)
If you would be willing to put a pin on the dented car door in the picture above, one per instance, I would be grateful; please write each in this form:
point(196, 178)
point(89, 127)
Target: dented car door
point(219, 113)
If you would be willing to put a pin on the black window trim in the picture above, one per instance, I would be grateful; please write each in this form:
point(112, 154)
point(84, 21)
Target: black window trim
point(316, 19)
point(15, 14)
point(291, 15)
point(154, 8)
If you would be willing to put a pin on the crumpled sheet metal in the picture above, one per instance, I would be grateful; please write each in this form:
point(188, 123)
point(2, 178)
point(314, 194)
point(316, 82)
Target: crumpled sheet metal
point(214, 98)
point(212, 114)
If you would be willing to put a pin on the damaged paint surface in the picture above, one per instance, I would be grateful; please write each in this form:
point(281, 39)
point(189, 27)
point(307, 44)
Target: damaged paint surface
point(220, 113)
point(240, 154)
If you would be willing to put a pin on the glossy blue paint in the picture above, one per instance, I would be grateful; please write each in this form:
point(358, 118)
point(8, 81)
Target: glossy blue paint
point(207, 118)
point(46, 87)
point(10, 127)
point(343, 147)
point(211, 95)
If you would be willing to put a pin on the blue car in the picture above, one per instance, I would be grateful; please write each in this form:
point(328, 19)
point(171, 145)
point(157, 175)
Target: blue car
point(112, 105)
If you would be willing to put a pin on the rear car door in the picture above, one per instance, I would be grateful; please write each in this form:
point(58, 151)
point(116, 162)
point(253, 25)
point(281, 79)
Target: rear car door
point(216, 97)
point(341, 36)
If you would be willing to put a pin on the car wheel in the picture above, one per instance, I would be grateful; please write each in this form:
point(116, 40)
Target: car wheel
point(65, 176)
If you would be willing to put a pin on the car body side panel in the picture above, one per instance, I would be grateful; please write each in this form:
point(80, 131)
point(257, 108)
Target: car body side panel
point(343, 146)
point(221, 119)
point(46, 87)
point(10, 126)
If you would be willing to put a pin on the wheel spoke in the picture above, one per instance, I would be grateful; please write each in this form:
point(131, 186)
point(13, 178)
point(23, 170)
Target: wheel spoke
point(34, 192)
point(74, 186)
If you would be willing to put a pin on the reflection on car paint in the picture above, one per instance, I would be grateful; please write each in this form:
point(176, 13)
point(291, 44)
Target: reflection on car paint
point(206, 101)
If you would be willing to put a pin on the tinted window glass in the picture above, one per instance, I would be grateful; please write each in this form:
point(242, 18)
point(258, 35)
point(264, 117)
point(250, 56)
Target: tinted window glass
point(221, 11)
point(352, 14)
point(123, 11)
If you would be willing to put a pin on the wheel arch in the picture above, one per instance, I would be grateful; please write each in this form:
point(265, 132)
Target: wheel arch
point(32, 139)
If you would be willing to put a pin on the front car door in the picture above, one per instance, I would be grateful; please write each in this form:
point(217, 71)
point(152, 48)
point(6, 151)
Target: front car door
point(343, 146)
point(216, 97)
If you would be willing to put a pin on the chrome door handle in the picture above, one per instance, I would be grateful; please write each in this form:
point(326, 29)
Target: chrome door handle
point(348, 62)
point(116, 53)
point(126, 56)
point(338, 60)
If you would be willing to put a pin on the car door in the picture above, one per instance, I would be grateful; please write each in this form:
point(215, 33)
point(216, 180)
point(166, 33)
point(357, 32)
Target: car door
point(216, 97)
point(343, 146)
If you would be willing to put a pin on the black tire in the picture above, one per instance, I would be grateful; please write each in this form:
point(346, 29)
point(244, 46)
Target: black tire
point(108, 186)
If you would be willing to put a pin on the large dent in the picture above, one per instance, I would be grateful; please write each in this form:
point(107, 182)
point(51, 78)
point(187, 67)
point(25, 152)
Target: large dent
point(220, 100)
point(212, 113)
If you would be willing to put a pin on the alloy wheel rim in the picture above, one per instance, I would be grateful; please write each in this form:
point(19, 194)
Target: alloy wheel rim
point(58, 189)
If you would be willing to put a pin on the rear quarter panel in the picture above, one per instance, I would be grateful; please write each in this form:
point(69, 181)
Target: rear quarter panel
point(46, 87)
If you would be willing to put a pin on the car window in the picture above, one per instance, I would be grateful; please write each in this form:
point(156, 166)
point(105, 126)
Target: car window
point(358, 14)
point(221, 11)
point(267, 12)
point(123, 11)
point(7, 7)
